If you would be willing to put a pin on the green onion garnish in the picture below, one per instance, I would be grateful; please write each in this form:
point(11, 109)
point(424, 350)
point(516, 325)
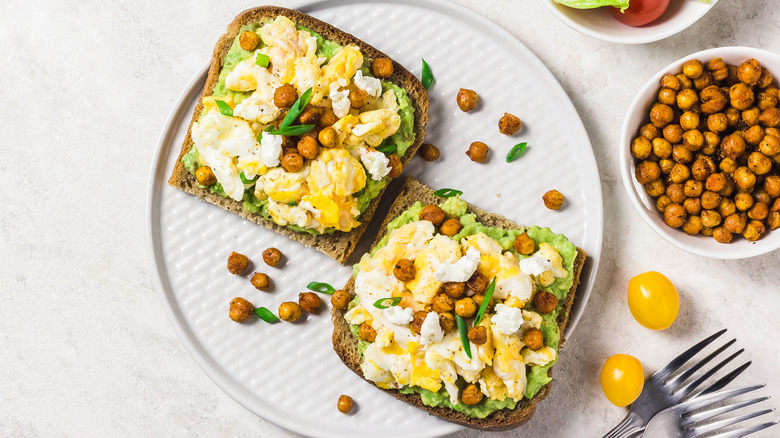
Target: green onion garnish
point(394, 301)
point(516, 151)
point(262, 60)
point(427, 76)
point(485, 301)
point(224, 108)
point(463, 328)
point(447, 193)
point(387, 149)
point(295, 109)
point(323, 288)
point(266, 315)
point(293, 203)
point(293, 130)
point(245, 180)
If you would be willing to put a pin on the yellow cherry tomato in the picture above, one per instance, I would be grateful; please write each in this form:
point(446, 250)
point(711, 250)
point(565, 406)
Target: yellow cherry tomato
point(653, 300)
point(622, 379)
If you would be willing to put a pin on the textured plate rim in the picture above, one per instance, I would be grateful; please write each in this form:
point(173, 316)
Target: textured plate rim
point(157, 182)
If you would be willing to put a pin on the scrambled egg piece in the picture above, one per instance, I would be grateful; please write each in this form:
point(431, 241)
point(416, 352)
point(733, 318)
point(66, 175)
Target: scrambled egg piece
point(403, 243)
point(370, 127)
point(440, 249)
point(283, 186)
point(511, 281)
point(338, 72)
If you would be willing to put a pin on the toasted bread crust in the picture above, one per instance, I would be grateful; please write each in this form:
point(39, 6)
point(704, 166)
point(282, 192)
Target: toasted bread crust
point(338, 245)
point(346, 344)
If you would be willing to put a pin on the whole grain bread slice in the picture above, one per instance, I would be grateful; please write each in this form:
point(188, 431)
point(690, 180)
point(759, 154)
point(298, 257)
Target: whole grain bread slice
point(337, 245)
point(346, 344)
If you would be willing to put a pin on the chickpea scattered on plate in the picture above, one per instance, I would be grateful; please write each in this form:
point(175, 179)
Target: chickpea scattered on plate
point(710, 149)
point(345, 404)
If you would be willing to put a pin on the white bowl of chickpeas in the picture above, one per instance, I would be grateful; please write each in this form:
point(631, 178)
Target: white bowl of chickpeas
point(700, 153)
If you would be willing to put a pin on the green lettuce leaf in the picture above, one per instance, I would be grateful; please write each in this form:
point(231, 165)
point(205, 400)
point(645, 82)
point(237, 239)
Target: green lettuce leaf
point(590, 4)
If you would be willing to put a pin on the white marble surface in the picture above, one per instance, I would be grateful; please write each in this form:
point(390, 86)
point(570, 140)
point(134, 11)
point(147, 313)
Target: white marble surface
point(86, 347)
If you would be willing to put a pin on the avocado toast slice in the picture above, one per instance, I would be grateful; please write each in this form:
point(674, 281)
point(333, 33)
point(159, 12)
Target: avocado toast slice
point(425, 386)
point(330, 218)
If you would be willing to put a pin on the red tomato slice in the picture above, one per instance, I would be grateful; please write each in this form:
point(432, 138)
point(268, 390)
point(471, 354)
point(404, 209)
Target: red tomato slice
point(641, 12)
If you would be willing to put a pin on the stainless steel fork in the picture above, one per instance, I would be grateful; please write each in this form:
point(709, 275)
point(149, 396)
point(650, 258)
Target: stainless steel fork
point(664, 389)
point(680, 421)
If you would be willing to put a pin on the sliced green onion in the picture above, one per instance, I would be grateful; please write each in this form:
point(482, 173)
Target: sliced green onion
point(266, 315)
point(245, 180)
point(447, 193)
point(427, 76)
point(262, 60)
point(323, 288)
point(394, 301)
point(224, 108)
point(296, 109)
point(485, 301)
point(387, 149)
point(293, 203)
point(293, 130)
point(463, 328)
point(516, 151)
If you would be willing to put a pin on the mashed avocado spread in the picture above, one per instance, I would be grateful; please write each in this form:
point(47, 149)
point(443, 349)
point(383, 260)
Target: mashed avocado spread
point(397, 143)
point(536, 375)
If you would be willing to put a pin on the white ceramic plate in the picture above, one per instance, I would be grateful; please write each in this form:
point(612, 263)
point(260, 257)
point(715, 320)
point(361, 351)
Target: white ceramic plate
point(739, 248)
point(599, 23)
point(288, 373)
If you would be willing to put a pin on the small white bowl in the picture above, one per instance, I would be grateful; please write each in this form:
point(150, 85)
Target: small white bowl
point(599, 23)
point(636, 116)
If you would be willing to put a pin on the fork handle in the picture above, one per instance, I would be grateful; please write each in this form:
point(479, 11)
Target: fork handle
point(630, 426)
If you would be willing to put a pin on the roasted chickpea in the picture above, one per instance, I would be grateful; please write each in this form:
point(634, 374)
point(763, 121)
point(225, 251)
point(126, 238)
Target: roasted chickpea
point(706, 231)
point(446, 321)
point(692, 188)
point(733, 116)
point(292, 162)
point(451, 227)
point(693, 139)
point(661, 115)
point(710, 200)
point(272, 256)
point(290, 311)
point(773, 220)
point(741, 96)
point(765, 80)
point(750, 116)
point(523, 244)
point(693, 68)
point(454, 289)
point(417, 321)
point(749, 72)
point(366, 332)
point(729, 188)
point(689, 120)
point(405, 270)
point(718, 69)
point(761, 195)
point(703, 81)
point(670, 81)
point(478, 282)
point(765, 100)
point(471, 395)
point(692, 225)
point(478, 151)
point(667, 96)
point(686, 99)
point(721, 235)
point(692, 206)
point(442, 303)
point(717, 122)
point(753, 135)
point(666, 165)
point(712, 140)
point(509, 124)
point(674, 215)
point(759, 163)
point(732, 78)
point(710, 218)
point(727, 207)
point(676, 193)
point(727, 165)
point(673, 133)
point(465, 307)
point(205, 176)
point(753, 231)
point(327, 117)
point(772, 185)
point(310, 115)
point(248, 40)
point(702, 168)
point(432, 213)
point(327, 137)
point(758, 212)
point(344, 404)
point(770, 145)
point(382, 68)
point(467, 99)
point(260, 281)
point(358, 98)
point(648, 131)
point(545, 302)
point(662, 148)
point(743, 201)
point(655, 188)
point(770, 117)
point(478, 298)
point(744, 178)
point(394, 163)
point(662, 202)
point(340, 299)
point(735, 223)
point(715, 182)
point(308, 147)
point(733, 145)
point(553, 199)
point(680, 173)
point(713, 100)
point(237, 263)
point(533, 338)
point(309, 301)
point(285, 96)
point(240, 309)
point(478, 335)
point(429, 152)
